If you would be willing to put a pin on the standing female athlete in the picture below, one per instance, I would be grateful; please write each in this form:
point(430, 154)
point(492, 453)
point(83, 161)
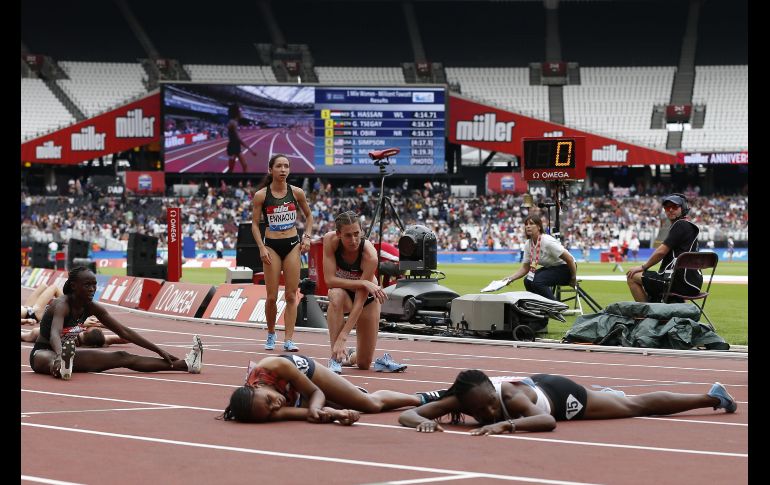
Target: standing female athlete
point(234, 141)
point(276, 203)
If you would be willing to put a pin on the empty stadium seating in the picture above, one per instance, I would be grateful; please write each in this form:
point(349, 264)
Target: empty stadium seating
point(97, 86)
point(227, 73)
point(40, 110)
point(506, 87)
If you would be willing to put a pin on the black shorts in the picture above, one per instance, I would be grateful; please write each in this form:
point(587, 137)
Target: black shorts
point(233, 148)
point(282, 246)
point(655, 286)
point(352, 295)
point(567, 397)
point(35, 348)
point(306, 365)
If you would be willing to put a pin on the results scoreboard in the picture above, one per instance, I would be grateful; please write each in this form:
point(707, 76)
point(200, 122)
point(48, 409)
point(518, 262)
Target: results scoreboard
point(554, 158)
point(350, 122)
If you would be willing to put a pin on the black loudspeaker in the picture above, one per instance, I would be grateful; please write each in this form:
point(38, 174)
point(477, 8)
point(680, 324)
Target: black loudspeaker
point(40, 256)
point(88, 263)
point(142, 249)
point(159, 271)
point(245, 237)
point(248, 256)
point(76, 248)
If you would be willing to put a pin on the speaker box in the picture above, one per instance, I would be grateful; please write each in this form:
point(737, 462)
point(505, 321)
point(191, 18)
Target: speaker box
point(76, 248)
point(88, 263)
point(40, 256)
point(248, 256)
point(142, 249)
point(158, 271)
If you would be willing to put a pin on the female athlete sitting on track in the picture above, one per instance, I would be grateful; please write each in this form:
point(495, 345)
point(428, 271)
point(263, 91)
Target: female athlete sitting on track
point(294, 387)
point(536, 403)
point(35, 303)
point(55, 355)
point(88, 335)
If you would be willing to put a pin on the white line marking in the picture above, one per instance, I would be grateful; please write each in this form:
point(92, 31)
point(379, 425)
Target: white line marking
point(327, 459)
point(29, 478)
point(698, 421)
point(275, 135)
point(307, 162)
point(571, 442)
point(215, 144)
point(97, 398)
point(429, 480)
point(27, 414)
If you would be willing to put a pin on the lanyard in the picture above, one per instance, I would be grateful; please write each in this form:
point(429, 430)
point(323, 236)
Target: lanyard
point(535, 252)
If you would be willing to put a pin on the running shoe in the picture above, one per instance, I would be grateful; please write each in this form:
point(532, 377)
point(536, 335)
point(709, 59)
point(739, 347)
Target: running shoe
point(614, 391)
point(387, 364)
point(335, 366)
point(430, 396)
point(270, 342)
point(67, 358)
point(726, 401)
point(194, 357)
point(289, 346)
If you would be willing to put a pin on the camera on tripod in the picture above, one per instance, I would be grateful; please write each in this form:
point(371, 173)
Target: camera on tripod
point(547, 204)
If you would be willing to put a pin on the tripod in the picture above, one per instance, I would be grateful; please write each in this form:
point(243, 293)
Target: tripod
point(379, 212)
point(579, 292)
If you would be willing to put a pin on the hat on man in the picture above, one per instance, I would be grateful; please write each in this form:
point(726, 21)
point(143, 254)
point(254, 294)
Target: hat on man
point(674, 199)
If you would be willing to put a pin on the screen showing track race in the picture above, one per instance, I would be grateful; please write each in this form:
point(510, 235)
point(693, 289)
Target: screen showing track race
point(322, 129)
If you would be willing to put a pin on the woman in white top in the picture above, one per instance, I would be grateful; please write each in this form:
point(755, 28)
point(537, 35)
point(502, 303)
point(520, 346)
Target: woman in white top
point(537, 402)
point(546, 263)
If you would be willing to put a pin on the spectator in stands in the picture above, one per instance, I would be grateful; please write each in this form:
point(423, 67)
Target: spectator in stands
point(649, 286)
point(52, 354)
point(276, 203)
point(294, 388)
point(220, 248)
point(349, 264)
point(536, 403)
point(35, 303)
point(730, 248)
point(234, 141)
point(557, 266)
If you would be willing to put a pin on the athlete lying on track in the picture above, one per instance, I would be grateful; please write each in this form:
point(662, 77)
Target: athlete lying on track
point(36, 302)
point(536, 403)
point(294, 387)
point(56, 356)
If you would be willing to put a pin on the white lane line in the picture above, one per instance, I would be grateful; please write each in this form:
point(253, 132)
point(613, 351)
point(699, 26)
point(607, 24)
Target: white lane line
point(309, 142)
point(327, 459)
point(472, 356)
point(35, 413)
point(215, 144)
point(270, 153)
point(307, 162)
point(428, 480)
point(98, 398)
point(29, 478)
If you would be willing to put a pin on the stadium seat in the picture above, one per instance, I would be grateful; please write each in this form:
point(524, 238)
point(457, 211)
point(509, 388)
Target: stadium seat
point(699, 261)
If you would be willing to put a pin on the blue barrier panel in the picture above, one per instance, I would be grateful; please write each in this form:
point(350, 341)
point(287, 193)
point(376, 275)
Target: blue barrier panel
point(101, 284)
point(188, 247)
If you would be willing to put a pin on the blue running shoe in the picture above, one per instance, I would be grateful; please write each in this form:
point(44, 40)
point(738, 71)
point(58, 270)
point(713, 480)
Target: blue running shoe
point(387, 364)
point(289, 346)
point(726, 401)
point(335, 366)
point(270, 342)
point(614, 391)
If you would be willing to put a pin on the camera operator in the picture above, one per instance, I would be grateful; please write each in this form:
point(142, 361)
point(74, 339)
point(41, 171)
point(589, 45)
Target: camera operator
point(557, 266)
point(649, 286)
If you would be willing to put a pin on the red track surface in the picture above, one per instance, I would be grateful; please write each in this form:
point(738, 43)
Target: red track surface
point(136, 427)
point(211, 156)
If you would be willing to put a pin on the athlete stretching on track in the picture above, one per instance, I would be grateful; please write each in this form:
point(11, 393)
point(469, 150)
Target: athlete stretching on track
point(56, 356)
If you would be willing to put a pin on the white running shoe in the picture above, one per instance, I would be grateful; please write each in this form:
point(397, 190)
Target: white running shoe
point(67, 358)
point(194, 357)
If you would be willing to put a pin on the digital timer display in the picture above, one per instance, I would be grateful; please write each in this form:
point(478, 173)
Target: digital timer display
point(553, 158)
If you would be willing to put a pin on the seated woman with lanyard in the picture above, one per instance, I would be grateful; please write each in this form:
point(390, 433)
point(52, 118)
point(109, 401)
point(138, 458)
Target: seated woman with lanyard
point(293, 387)
point(536, 403)
point(557, 266)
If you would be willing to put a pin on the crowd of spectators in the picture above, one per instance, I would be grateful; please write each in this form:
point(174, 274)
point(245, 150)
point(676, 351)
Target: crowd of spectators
point(486, 222)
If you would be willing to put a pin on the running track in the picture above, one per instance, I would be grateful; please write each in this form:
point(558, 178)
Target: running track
point(127, 427)
point(211, 157)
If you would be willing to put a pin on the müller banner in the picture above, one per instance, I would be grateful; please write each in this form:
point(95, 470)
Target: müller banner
point(488, 128)
point(132, 125)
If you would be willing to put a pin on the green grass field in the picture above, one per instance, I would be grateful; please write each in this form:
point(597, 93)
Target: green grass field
point(727, 305)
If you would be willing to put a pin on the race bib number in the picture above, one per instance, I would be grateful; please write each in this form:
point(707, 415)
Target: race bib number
point(281, 217)
point(573, 406)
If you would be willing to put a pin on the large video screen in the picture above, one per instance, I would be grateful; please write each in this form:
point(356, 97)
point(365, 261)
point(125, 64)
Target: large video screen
point(322, 129)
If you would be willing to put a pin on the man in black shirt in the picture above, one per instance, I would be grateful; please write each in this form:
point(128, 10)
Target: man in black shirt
point(649, 286)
